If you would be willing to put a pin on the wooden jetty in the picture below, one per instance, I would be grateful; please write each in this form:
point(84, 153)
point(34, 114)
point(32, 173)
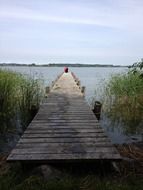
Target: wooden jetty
point(64, 129)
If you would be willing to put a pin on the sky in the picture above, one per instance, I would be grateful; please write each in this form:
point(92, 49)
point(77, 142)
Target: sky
point(71, 31)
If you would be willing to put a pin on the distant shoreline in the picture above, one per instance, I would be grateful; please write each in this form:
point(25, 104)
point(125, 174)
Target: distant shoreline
point(59, 65)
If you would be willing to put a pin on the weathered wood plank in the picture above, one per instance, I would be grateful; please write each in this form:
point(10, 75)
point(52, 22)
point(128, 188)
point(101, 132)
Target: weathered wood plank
point(60, 127)
point(62, 130)
point(67, 117)
point(65, 150)
point(64, 135)
point(69, 120)
point(66, 122)
point(88, 144)
point(62, 140)
point(52, 127)
point(64, 157)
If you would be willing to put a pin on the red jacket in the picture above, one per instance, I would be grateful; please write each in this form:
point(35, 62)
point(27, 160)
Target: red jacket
point(66, 69)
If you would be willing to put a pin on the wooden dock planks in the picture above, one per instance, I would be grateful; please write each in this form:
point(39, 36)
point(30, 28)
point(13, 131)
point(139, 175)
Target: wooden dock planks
point(64, 129)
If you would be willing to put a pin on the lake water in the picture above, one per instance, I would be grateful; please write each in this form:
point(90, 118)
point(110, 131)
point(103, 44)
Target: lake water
point(93, 78)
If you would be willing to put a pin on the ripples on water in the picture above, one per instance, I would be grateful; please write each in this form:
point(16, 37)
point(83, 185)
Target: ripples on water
point(93, 79)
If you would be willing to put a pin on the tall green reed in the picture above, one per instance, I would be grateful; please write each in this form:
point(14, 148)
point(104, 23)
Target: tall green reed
point(8, 99)
point(124, 100)
point(18, 95)
point(31, 94)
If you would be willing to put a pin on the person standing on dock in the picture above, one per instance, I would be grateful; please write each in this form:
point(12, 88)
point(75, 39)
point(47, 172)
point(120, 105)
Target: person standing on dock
point(66, 69)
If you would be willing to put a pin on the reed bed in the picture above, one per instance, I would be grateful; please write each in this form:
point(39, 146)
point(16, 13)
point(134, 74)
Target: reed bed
point(19, 94)
point(132, 151)
point(132, 155)
point(123, 100)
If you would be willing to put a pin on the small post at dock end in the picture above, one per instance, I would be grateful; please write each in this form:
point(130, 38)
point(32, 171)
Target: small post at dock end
point(47, 90)
point(78, 82)
point(97, 109)
point(53, 82)
point(83, 89)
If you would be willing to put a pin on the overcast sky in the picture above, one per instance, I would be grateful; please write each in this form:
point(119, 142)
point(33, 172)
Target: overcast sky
point(73, 31)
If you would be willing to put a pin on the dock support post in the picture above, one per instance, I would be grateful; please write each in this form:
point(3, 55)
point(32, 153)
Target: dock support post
point(47, 89)
point(97, 109)
point(78, 82)
point(83, 89)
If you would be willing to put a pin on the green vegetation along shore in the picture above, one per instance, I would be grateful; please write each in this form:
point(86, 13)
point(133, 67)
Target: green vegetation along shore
point(20, 97)
point(123, 99)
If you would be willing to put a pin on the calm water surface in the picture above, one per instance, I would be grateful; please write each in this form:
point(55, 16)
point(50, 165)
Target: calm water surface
point(93, 79)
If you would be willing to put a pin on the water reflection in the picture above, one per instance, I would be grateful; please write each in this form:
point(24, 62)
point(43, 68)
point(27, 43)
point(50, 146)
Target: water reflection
point(120, 131)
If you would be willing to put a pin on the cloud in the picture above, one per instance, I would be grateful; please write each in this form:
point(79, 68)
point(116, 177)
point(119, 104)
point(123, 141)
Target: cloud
point(36, 16)
point(124, 15)
point(107, 13)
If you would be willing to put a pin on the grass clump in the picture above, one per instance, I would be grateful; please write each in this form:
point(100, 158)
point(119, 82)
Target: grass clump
point(31, 95)
point(124, 100)
point(18, 95)
point(8, 99)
